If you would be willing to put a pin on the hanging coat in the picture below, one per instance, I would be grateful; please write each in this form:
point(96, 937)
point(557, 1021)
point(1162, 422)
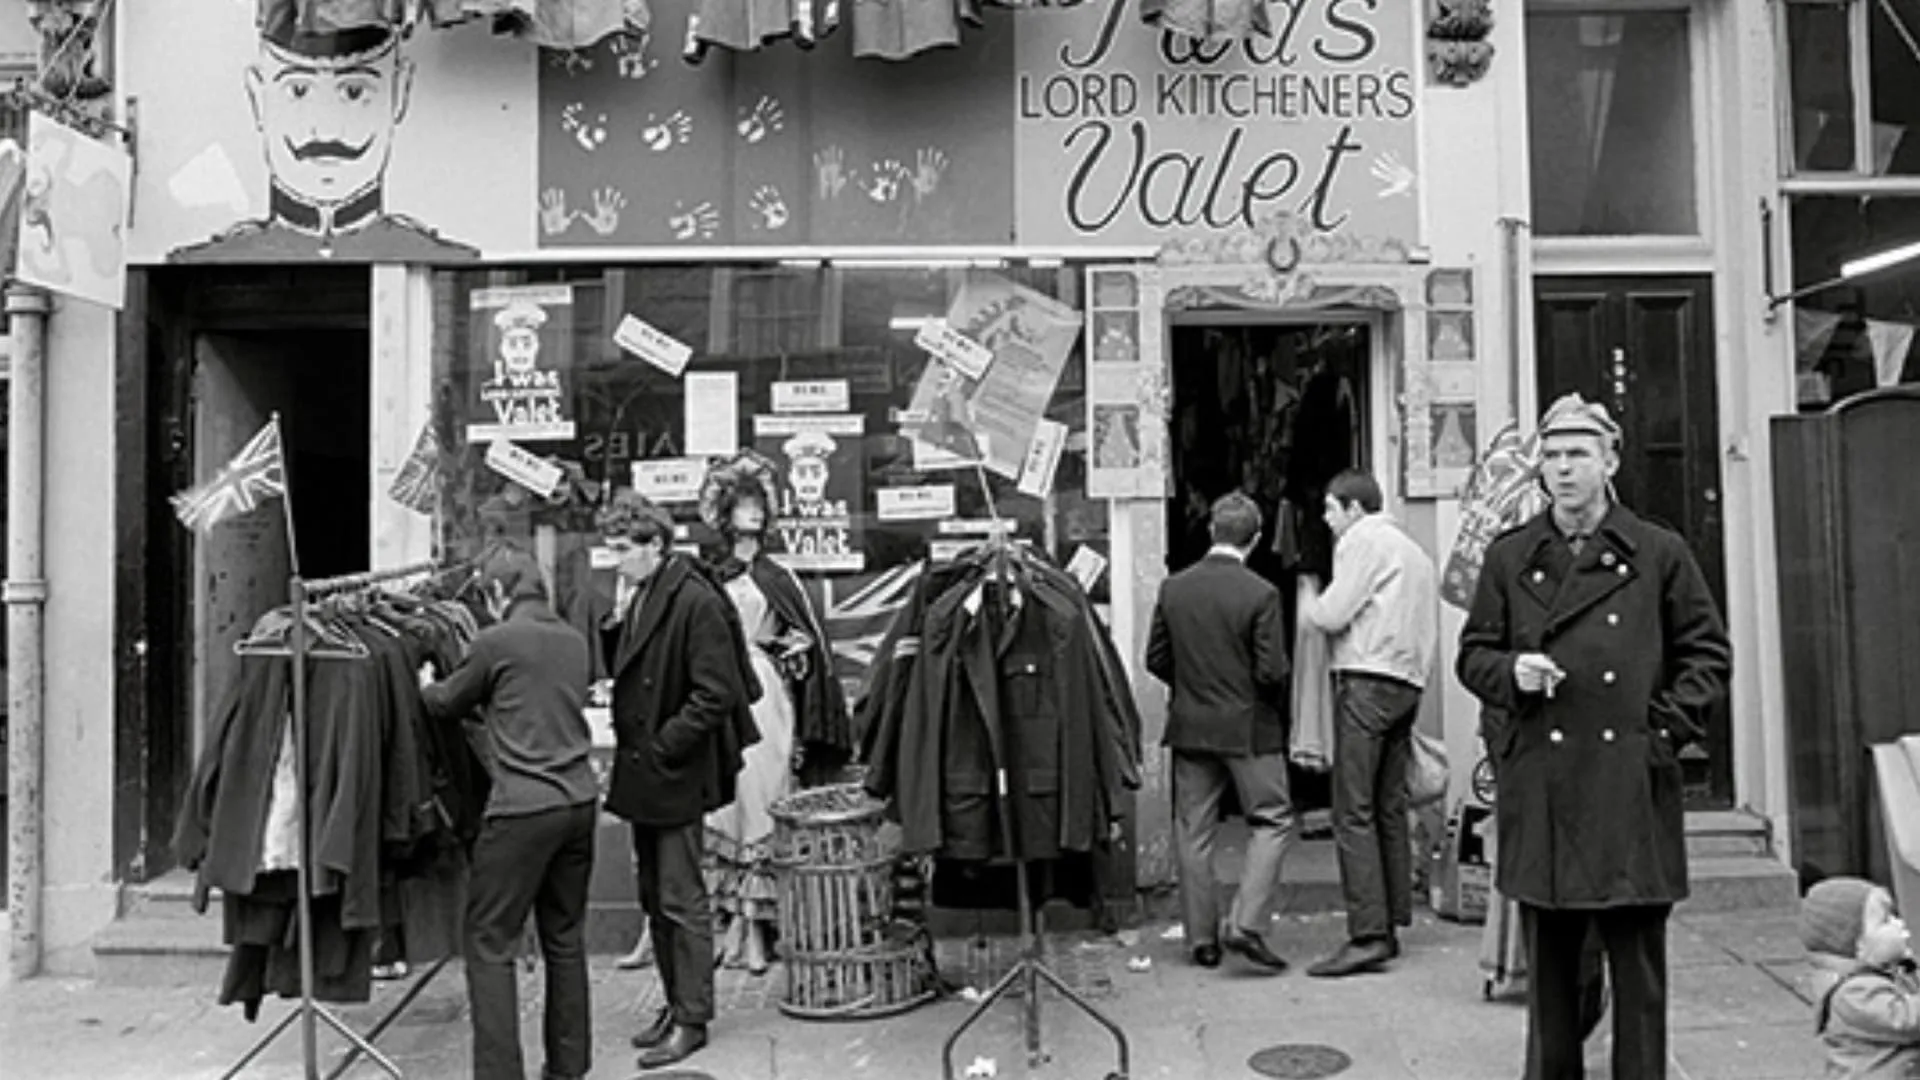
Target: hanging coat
point(1589, 809)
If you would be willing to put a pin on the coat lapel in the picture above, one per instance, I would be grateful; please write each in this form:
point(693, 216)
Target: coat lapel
point(1604, 567)
point(641, 624)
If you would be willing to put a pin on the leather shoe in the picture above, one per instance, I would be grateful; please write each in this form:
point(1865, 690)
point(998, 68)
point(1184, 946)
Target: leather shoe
point(1253, 947)
point(1207, 956)
point(1355, 957)
point(655, 1033)
point(677, 1046)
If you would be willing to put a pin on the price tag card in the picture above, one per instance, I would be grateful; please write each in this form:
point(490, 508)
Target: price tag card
point(930, 502)
point(818, 396)
point(967, 356)
point(1043, 458)
point(1086, 566)
point(535, 474)
point(667, 353)
point(670, 480)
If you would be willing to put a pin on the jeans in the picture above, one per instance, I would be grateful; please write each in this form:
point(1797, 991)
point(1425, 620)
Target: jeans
point(537, 863)
point(1373, 743)
point(673, 893)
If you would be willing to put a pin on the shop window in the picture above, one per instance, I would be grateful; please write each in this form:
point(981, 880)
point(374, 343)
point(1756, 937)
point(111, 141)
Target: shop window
point(1611, 123)
point(1862, 334)
point(768, 352)
point(1853, 86)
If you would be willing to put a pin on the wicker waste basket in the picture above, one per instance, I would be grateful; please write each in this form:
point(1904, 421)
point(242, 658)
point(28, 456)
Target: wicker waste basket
point(846, 956)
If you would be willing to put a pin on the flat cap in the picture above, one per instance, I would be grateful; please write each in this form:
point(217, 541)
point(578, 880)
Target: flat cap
point(1571, 414)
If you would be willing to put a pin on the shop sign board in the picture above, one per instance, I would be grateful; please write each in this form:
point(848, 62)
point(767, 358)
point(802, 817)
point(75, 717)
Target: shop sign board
point(1070, 125)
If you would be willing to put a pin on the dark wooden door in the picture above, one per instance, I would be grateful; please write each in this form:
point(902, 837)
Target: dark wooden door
point(1644, 347)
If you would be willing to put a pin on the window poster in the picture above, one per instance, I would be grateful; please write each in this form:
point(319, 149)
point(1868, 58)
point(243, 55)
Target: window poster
point(820, 485)
point(1441, 421)
point(522, 340)
point(993, 419)
point(1126, 410)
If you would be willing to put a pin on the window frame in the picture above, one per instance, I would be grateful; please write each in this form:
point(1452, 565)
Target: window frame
point(1860, 180)
point(1675, 253)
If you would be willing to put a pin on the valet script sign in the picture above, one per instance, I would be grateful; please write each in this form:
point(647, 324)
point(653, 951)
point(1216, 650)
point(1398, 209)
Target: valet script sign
point(1151, 134)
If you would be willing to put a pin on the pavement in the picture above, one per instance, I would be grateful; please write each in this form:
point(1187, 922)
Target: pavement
point(1738, 1012)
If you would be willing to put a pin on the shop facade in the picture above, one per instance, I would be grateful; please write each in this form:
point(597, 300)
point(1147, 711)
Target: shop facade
point(620, 263)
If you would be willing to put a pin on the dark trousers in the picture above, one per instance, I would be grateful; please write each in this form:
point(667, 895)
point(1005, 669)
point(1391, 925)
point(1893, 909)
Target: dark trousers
point(537, 863)
point(1635, 940)
point(673, 893)
point(1260, 783)
point(1372, 746)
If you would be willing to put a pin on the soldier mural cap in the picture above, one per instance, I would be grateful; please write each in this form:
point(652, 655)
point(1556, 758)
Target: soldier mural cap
point(280, 26)
point(1574, 415)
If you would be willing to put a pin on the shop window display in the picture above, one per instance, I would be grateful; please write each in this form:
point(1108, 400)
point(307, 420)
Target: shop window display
point(642, 377)
point(1858, 335)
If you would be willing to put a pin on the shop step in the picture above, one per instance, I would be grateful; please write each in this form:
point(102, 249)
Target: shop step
point(1755, 883)
point(1712, 833)
point(160, 941)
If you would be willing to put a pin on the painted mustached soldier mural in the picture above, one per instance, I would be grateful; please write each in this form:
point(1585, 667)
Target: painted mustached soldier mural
point(327, 104)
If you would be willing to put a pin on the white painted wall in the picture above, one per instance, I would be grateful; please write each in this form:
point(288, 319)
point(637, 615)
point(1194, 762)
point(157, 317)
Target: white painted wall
point(80, 896)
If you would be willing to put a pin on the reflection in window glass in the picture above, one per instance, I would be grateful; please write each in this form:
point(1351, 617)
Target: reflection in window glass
point(1894, 34)
point(1860, 335)
point(1610, 103)
point(1821, 87)
point(520, 351)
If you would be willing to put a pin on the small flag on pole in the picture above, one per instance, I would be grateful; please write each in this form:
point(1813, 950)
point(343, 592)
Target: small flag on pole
point(253, 476)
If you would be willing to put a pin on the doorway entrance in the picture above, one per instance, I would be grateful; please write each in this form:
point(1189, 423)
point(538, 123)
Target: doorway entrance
point(1274, 410)
point(1644, 347)
point(317, 381)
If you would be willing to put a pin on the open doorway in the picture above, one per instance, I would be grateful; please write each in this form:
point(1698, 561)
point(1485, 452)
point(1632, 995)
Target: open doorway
point(1274, 410)
point(318, 382)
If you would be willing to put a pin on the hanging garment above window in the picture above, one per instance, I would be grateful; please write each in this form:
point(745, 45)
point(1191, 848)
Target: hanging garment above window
point(745, 25)
point(1209, 20)
point(550, 24)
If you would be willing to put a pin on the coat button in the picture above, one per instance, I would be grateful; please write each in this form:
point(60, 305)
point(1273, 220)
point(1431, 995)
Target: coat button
point(1606, 735)
point(1613, 618)
point(1556, 735)
point(1608, 678)
point(1539, 576)
point(1621, 569)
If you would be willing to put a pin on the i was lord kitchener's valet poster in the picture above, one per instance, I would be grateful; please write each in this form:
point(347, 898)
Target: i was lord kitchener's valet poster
point(1056, 126)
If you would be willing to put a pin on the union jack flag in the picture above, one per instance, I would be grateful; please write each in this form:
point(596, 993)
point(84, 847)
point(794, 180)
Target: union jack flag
point(256, 474)
point(857, 614)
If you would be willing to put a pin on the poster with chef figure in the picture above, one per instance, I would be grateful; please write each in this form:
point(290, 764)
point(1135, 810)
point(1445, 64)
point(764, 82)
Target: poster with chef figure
point(522, 360)
point(820, 487)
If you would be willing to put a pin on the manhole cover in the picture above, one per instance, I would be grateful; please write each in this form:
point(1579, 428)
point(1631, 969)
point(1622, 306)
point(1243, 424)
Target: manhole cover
point(1299, 1061)
point(676, 1074)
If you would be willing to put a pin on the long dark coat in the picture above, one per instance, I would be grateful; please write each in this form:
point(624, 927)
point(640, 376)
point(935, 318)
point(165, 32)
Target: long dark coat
point(681, 702)
point(1589, 811)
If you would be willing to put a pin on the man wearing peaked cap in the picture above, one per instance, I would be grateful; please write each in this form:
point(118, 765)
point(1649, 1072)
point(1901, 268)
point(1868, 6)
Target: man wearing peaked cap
point(1593, 631)
point(326, 102)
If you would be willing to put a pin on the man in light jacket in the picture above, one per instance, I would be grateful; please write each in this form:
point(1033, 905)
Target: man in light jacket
point(1382, 611)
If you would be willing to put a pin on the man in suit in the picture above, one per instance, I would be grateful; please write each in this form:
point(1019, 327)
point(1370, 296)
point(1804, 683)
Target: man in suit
point(1217, 641)
point(681, 720)
point(528, 676)
point(1593, 634)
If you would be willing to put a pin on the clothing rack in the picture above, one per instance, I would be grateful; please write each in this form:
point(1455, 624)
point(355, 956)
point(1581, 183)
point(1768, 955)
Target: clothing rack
point(301, 593)
point(1031, 969)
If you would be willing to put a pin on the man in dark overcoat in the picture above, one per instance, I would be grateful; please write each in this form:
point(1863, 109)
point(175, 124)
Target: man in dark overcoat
point(1594, 632)
point(681, 719)
point(1217, 641)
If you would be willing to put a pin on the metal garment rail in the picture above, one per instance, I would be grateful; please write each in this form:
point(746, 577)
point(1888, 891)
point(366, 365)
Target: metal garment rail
point(301, 593)
point(1031, 969)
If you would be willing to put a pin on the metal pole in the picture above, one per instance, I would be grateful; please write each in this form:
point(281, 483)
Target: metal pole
point(26, 595)
point(303, 899)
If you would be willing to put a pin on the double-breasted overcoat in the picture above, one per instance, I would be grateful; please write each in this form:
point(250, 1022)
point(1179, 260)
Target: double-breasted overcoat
point(1589, 792)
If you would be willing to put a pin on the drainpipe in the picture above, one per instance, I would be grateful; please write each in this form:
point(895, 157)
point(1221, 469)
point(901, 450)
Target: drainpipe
point(25, 594)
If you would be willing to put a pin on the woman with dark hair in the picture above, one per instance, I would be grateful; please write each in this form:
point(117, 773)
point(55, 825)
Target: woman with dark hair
point(789, 658)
